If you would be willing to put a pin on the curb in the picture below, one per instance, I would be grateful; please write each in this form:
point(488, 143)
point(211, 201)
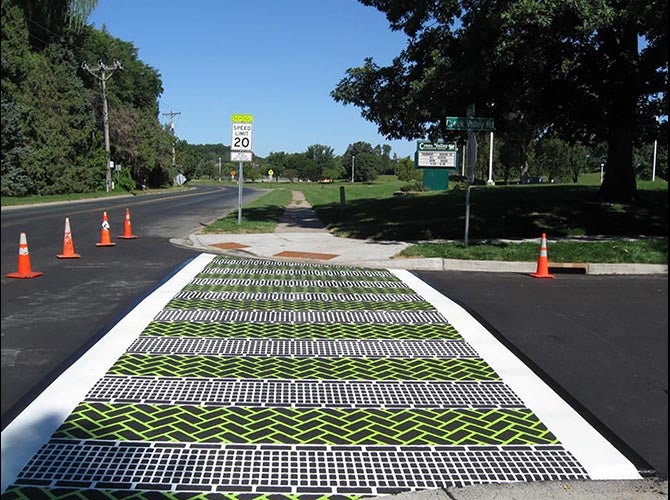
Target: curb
point(441, 264)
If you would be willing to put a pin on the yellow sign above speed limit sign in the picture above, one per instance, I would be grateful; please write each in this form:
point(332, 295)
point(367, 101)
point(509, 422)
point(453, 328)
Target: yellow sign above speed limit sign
point(242, 133)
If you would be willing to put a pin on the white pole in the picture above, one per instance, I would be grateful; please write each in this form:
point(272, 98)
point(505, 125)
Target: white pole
point(490, 181)
point(463, 164)
point(653, 168)
point(240, 176)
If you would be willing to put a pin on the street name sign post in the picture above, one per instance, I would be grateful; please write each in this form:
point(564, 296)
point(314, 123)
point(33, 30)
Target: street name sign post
point(471, 124)
point(240, 151)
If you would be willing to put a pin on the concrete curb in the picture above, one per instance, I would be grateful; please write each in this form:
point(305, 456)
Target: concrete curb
point(204, 244)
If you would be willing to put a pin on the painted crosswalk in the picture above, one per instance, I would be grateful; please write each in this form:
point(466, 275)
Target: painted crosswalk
point(245, 378)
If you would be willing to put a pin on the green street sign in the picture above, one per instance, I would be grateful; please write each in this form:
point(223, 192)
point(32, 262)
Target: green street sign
point(470, 123)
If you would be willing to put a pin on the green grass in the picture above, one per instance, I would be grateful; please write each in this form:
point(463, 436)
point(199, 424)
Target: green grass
point(10, 201)
point(509, 212)
point(617, 251)
point(260, 216)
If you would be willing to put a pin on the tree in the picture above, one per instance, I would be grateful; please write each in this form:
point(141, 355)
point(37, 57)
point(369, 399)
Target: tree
point(553, 157)
point(277, 162)
point(15, 181)
point(407, 171)
point(301, 166)
point(362, 158)
point(572, 68)
point(50, 19)
point(325, 163)
point(52, 133)
point(578, 160)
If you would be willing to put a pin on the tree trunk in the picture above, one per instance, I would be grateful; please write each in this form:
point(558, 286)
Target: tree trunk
point(619, 181)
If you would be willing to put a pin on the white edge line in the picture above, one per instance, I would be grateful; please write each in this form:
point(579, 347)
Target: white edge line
point(32, 428)
point(598, 456)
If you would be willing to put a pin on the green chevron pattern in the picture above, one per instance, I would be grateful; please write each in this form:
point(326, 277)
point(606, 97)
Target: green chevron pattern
point(288, 276)
point(330, 426)
point(287, 286)
point(33, 493)
point(286, 305)
point(232, 261)
point(297, 269)
point(303, 331)
point(304, 368)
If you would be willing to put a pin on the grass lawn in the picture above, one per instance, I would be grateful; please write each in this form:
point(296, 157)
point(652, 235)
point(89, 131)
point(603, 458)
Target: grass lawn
point(260, 216)
point(510, 212)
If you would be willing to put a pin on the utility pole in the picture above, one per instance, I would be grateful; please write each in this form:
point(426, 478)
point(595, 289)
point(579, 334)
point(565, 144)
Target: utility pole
point(103, 73)
point(172, 114)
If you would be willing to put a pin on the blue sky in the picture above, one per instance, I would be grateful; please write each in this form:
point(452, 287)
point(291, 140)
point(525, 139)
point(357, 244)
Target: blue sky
point(275, 59)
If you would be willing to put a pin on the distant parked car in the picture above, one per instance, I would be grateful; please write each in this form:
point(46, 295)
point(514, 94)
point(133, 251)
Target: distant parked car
point(532, 180)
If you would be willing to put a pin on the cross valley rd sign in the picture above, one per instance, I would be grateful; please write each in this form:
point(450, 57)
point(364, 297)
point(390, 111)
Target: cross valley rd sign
point(470, 123)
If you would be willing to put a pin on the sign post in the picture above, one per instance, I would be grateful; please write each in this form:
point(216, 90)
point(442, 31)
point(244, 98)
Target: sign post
point(471, 124)
point(471, 148)
point(240, 151)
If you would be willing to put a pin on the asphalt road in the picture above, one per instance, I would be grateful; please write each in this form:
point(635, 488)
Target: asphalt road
point(600, 341)
point(49, 319)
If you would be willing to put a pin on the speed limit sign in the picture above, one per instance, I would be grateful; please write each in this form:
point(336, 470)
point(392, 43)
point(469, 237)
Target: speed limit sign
point(242, 133)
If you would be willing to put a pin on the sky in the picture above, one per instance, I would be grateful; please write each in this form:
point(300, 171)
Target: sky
point(277, 60)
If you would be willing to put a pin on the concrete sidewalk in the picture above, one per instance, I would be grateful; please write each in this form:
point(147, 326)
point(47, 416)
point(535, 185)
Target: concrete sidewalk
point(300, 235)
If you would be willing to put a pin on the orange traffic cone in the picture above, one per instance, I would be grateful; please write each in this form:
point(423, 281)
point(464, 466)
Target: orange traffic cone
point(24, 271)
point(68, 244)
point(127, 230)
point(543, 261)
point(105, 238)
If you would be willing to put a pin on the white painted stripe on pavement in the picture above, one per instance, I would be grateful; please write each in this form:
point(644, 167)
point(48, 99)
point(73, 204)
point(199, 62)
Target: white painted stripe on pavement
point(597, 455)
point(23, 437)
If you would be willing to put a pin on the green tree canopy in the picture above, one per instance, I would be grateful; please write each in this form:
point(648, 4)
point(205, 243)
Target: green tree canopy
point(52, 114)
point(583, 70)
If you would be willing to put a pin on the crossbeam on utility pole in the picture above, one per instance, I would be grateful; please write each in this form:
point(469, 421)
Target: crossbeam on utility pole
point(172, 114)
point(103, 73)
